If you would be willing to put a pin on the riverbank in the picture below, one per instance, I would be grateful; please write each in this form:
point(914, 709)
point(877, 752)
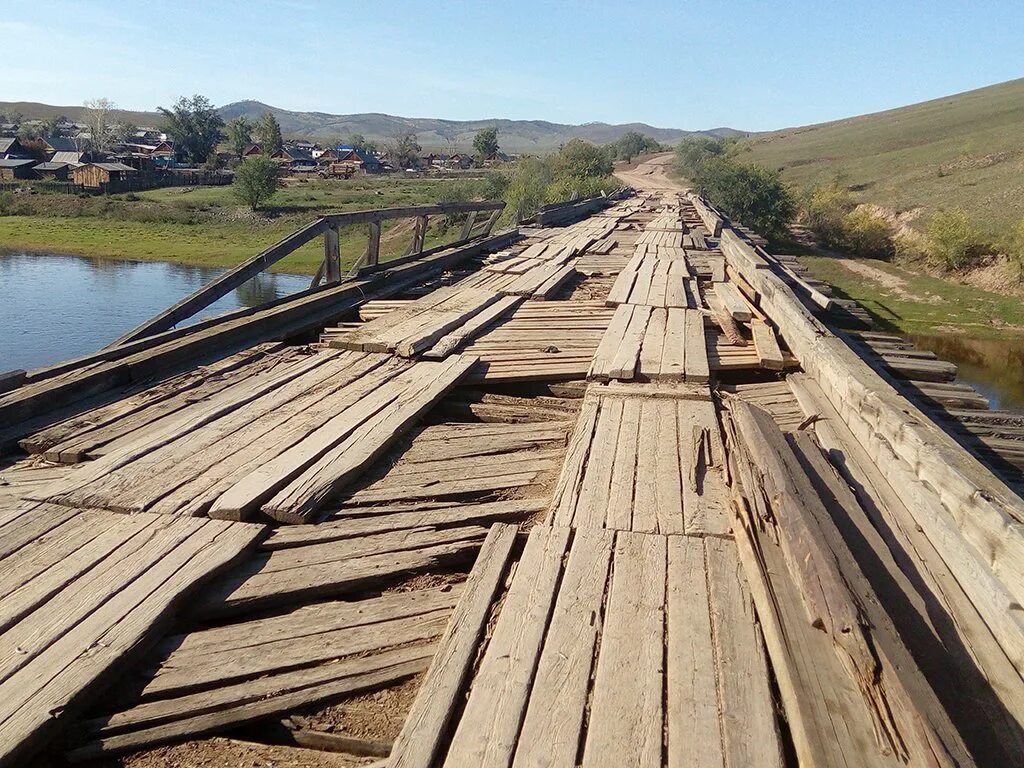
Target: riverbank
point(205, 226)
point(910, 302)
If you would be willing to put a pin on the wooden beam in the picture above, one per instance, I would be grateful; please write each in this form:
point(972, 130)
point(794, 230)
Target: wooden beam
point(468, 226)
point(332, 254)
point(373, 244)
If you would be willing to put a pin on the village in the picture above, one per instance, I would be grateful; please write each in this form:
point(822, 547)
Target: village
point(63, 153)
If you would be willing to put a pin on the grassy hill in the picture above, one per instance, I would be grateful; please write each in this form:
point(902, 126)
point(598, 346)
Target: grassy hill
point(536, 136)
point(964, 150)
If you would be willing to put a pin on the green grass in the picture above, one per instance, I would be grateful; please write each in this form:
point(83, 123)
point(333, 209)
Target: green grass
point(964, 151)
point(205, 226)
point(909, 302)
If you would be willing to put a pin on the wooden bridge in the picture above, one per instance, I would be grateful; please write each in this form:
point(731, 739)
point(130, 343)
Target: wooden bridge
point(627, 491)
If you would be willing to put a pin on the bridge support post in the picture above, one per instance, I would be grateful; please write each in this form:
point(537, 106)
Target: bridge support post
point(332, 255)
point(373, 245)
point(468, 226)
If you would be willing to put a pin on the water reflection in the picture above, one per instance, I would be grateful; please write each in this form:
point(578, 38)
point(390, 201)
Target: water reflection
point(995, 367)
point(56, 306)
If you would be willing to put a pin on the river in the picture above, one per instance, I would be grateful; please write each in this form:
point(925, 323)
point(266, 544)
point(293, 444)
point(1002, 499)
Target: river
point(55, 306)
point(994, 367)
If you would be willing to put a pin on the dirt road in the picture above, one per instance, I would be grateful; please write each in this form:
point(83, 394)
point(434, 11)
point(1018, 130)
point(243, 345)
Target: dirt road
point(652, 175)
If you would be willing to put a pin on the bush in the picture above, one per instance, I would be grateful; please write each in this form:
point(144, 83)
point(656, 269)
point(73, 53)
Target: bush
point(527, 190)
point(1012, 244)
point(954, 241)
point(256, 180)
point(867, 235)
point(752, 194)
point(825, 208)
point(693, 151)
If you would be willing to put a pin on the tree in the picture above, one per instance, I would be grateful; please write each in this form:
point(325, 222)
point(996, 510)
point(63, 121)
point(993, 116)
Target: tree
point(693, 151)
point(54, 124)
point(405, 150)
point(239, 131)
point(486, 142)
point(195, 126)
point(631, 144)
point(579, 159)
point(268, 132)
point(256, 180)
point(751, 194)
point(97, 117)
point(360, 142)
point(125, 130)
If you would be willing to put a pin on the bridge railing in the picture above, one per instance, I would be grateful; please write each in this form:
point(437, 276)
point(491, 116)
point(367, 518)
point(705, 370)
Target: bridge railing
point(328, 227)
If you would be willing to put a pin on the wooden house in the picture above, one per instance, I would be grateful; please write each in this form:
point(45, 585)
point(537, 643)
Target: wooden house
point(55, 143)
point(51, 171)
point(252, 150)
point(12, 169)
point(460, 160)
point(11, 149)
point(293, 157)
point(96, 175)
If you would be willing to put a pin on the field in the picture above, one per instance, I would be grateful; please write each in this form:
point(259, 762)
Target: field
point(206, 226)
point(964, 151)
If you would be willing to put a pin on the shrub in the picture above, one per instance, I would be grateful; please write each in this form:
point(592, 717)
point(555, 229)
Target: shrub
point(867, 235)
point(825, 208)
point(954, 241)
point(752, 194)
point(693, 151)
point(256, 180)
point(527, 191)
point(1012, 244)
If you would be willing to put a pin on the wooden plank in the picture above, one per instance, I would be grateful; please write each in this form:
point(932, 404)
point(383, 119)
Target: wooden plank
point(733, 301)
point(627, 356)
point(767, 345)
point(472, 327)
point(554, 717)
point(652, 350)
point(607, 350)
point(673, 358)
point(489, 726)
point(626, 716)
point(696, 359)
point(426, 727)
point(620, 499)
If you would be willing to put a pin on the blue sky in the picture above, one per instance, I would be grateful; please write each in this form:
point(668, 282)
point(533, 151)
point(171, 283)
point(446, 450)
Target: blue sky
point(745, 64)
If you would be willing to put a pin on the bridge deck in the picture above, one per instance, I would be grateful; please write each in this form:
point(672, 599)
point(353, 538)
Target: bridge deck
point(609, 496)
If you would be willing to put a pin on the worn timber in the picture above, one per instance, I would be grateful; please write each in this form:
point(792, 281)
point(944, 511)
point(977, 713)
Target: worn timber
point(613, 493)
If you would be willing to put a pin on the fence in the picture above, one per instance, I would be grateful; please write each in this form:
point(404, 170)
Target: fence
point(134, 183)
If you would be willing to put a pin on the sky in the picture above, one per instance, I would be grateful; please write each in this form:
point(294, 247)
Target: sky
point(694, 65)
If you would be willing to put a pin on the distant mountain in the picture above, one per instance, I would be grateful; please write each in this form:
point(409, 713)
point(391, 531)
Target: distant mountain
point(432, 133)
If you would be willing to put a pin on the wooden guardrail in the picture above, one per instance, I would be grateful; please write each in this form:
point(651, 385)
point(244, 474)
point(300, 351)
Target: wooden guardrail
point(330, 269)
point(571, 210)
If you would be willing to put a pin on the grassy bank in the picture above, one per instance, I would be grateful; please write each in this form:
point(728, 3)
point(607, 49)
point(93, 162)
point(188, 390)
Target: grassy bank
point(910, 302)
point(206, 226)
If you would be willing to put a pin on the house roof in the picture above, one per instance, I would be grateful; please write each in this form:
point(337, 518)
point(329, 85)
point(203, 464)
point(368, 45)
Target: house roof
point(297, 154)
point(50, 166)
point(15, 163)
point(61, 143)
point(110, 166)
point(6, 142)
point(66, 157)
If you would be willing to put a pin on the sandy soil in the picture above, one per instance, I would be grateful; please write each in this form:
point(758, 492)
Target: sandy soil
point(652, 175)
point(229, 753)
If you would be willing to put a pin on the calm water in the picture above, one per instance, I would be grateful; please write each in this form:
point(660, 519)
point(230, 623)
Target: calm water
point(993, 367)
point(53, 306)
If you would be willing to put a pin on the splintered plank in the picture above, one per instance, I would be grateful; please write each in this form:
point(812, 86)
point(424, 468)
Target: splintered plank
point(563, 501)
point(427, 724)
point(489, 726)
point(767, 345)
point(554, 718)
point(626, 716)
point(673, 356)
point(305, 476)
point(620, 498)
point(456, 312)
point(653, 345)
point(593, 503)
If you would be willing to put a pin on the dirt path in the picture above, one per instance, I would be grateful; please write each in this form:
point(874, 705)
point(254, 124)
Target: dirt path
point(652, 175)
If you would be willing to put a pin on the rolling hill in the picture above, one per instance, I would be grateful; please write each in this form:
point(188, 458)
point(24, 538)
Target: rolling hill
point(965, 150)
point(432, 133)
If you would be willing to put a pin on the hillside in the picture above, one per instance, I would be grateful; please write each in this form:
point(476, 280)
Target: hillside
point(432, 133)
point(964, 150)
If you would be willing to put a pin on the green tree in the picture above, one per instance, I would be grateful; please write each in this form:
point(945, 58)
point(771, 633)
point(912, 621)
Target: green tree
point(824, 210)
point(52, 126)
point(954, 240)
point(486, 142)
point(268, 132)
point(631, 144)
point(239, 132)
point(579, 159)
point(256, 180)
point(527, 191)
point(693, 151)
point(752, 194)
point(358, 141)
point(405, 151)
point(195, 126)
